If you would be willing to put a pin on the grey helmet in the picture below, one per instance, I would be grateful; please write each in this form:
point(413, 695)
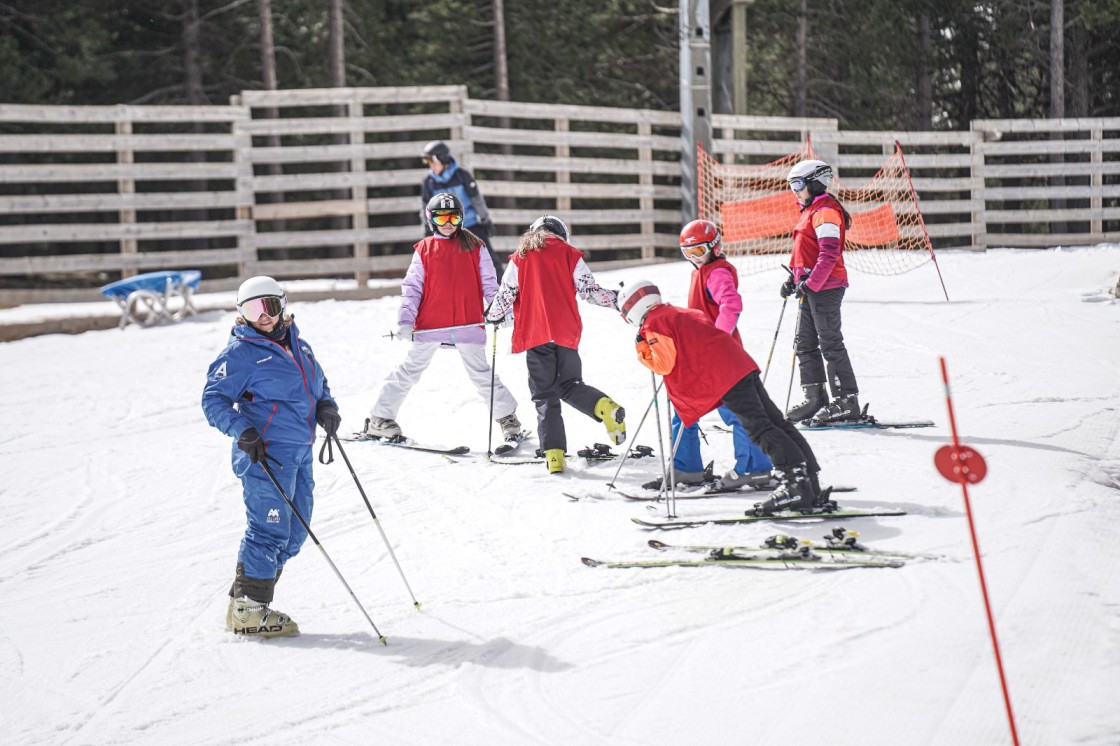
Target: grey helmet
point(553, 225)
point(438, 149)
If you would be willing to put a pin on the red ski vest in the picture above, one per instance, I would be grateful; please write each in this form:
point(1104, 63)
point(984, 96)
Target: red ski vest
point(545, 309)
point(701, 300)
point(452, 285)
point(708, 361)
point(805, 248)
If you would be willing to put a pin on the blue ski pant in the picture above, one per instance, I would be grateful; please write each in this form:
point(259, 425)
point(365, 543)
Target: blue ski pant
point(748, 456)
point(272, 534)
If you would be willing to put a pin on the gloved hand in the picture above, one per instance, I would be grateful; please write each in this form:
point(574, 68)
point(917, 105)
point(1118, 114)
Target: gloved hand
point(326, 414)
point(614, 298)
point(403, 333)
point(253, 444)
point(802, 288)
point(788, 287)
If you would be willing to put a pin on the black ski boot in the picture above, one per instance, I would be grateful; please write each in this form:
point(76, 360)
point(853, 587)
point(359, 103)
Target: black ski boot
point(841, 409)
point(815, 399)
point(795, 493)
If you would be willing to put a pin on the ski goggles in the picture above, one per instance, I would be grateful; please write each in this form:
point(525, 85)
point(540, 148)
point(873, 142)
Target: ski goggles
point(445, 218)
point(797, 183)
point(269, 305)
point(698, 250)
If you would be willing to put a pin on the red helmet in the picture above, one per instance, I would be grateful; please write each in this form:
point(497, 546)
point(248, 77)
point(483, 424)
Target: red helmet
point(699, 237)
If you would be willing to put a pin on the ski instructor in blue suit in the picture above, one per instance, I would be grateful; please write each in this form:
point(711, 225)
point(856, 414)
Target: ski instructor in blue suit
point(267, 391)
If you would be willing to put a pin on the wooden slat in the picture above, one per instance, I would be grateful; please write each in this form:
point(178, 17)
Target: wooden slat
point(1056, 215)
point(551, 138)
point(141, 261)
point(109, 143)
point(551, 189)
point(327, 96)
point(70, 203)
point(545, 164)
point(383, 235)
point(117, 231)
point(569, 112)
point(96, 172)
point(324, 267)
point(93, 114)
point(337, 125)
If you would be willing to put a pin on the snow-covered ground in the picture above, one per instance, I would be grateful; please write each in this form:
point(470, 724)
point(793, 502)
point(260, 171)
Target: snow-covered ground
point(121, 520)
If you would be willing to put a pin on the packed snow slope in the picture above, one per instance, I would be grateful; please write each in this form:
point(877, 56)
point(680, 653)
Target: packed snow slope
point(121, 522)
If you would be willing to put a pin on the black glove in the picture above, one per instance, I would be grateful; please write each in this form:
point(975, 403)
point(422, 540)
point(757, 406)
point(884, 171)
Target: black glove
point(788, 287)
point(326, 414)
point(802, 288)
point(252, 443)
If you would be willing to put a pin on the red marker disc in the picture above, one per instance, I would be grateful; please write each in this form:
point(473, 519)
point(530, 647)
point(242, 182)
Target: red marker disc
point(960, 464)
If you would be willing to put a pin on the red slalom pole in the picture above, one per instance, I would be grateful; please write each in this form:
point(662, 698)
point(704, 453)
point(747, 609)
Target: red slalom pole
point(965, 466)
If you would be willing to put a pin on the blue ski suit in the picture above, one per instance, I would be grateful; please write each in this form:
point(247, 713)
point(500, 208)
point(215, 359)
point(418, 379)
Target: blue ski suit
point(256, 382)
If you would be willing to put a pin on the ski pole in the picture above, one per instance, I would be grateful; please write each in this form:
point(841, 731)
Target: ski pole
point(376, 522)
point(327, 557)
point(776, 330)
point(493, 374)
point(634, 437)
point(793, 362)
point(660, 435)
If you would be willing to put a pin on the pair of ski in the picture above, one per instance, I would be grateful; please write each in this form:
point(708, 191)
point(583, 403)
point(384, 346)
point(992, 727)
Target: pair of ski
point(597, 452)
point(864, 422)
point(506, 447)
point(840, 551)
point(787, 515)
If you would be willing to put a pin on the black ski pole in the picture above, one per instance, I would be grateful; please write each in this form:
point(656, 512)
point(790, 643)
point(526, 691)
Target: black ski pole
point(327, 557)
point(376, 522)
point(793, 362)
point(776, 330)
point(634, 437)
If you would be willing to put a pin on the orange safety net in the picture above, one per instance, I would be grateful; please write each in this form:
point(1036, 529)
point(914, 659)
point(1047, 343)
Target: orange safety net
point(757, 212)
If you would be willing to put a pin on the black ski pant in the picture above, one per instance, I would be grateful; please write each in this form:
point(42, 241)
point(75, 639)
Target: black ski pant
point(764, 422)
point(556, 375)
point(820, 342)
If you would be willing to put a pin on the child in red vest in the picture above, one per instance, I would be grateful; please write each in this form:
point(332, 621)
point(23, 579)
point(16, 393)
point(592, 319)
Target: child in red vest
point(714, 290)
point(539, 287)
point(704, 367)
point(443, 296)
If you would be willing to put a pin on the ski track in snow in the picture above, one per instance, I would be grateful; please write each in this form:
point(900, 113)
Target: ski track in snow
point(123, 519)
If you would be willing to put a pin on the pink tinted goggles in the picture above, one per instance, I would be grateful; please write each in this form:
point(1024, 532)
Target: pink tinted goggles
point(269, 305)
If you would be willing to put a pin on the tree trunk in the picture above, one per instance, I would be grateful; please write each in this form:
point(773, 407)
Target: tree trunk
point(923, 115)
point(336, 55)
point(800, 95)
point(501, 88)
point(1057, 95)
point(192, 54)
point(269, 83)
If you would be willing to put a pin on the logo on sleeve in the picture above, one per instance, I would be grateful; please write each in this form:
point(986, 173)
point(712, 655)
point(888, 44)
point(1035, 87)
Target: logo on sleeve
point(264, 359)
point(221, 371)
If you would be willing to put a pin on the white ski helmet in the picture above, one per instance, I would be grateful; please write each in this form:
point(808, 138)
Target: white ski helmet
point(261, 287)
point(808, 172)
point(553, 225)
point(636, 299)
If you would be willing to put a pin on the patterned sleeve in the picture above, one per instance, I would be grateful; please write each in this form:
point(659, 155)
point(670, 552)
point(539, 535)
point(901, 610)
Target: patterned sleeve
point(589, 289)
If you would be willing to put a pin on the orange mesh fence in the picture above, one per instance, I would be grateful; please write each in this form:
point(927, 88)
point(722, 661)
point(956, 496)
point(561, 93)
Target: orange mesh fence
point(756, 213)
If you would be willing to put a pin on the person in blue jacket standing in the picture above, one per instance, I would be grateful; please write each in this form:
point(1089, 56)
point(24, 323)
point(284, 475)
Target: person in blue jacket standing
point(267, 391)
point(446, 175)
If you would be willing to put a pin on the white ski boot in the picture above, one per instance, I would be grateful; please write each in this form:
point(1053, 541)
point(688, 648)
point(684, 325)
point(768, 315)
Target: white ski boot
point(254, 619)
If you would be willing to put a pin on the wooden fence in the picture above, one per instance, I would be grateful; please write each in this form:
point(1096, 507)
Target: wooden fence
point(325, 182)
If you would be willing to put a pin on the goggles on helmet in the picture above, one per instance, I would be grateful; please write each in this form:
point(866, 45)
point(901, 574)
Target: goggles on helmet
point(269, 305)
point(698, 250)
point(797, 183)
point(443, 218)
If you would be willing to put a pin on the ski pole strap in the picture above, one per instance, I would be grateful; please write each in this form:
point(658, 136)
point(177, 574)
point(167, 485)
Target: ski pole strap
point(328, 449)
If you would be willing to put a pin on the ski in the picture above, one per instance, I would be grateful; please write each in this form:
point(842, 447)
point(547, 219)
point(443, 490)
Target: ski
point(865, 423)
point(783, 561)
point(784, 516)
point(711, 492)
point(407, 443)
point(840, 540)
point(512, 444)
